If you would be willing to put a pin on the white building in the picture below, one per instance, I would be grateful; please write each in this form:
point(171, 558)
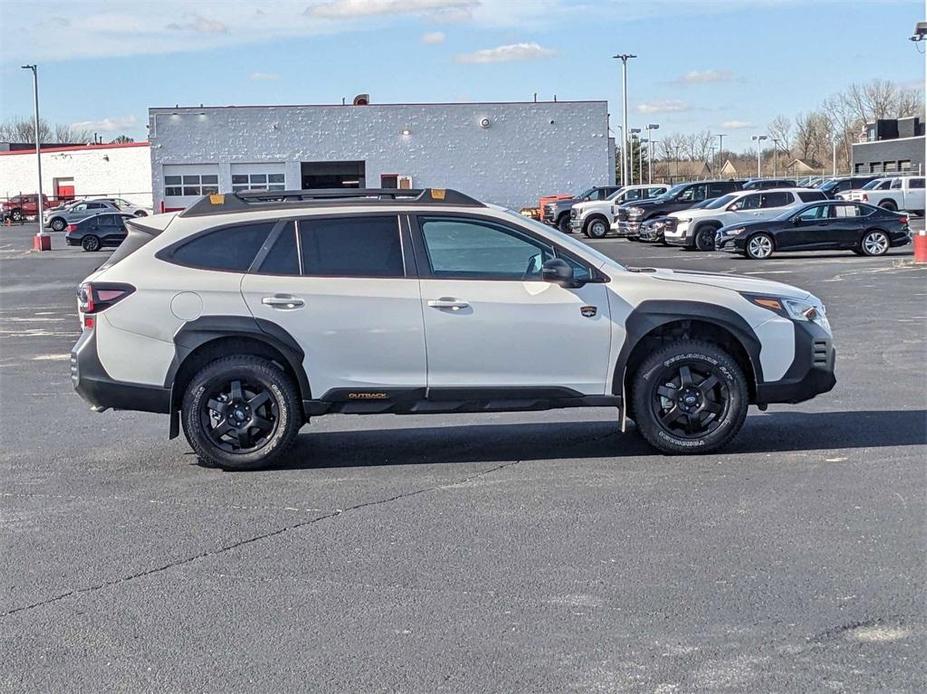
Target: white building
point(115, 170)
point(507, 153)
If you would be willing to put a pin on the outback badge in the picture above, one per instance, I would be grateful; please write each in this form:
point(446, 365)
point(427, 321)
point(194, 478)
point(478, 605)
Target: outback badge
point(588, 311)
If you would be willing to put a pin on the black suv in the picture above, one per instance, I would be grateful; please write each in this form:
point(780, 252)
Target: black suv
point(557, 213)
point(679, 197)
point(832, 186)
point(769, 183)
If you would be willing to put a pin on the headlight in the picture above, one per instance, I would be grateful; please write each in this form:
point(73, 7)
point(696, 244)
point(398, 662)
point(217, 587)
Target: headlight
point(636, 211)
point(733, 232)
point(796, 309)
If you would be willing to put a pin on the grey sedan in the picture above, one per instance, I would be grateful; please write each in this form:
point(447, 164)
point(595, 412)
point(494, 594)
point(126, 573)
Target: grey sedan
point(58, 220)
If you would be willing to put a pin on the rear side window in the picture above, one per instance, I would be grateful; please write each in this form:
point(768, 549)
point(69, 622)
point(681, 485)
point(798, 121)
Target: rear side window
point(283, 256)
point(811, 196)
point(228, 248)
point(917, 183)
point(355, 246)
point(775, 199)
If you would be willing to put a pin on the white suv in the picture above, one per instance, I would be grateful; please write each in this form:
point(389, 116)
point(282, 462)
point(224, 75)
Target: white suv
point(249, 313)
point(594, 217)
point(696, 228)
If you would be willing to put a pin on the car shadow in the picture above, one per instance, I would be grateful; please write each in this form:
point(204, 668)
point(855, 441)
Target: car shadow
point(817, 255)
point(772, 432)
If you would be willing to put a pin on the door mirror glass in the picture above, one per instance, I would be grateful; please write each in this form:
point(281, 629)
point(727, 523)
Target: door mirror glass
point(558, 271)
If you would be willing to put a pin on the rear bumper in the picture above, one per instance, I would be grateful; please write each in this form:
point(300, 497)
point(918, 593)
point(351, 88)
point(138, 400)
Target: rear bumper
point(812, 372)
point(94, 385)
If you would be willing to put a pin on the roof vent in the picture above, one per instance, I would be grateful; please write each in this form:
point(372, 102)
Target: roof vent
point(362, 100)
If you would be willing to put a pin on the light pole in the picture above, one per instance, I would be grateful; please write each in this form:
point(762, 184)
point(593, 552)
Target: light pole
point(39, 243)
point(640, 158)
point(720, 152)
point(625, 160)
point(640, 176)
point(758, 139)
point(650, 127)
point(834, 162)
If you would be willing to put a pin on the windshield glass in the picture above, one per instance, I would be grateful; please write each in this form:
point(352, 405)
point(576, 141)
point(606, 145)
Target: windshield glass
point(615, 194)
point(585, 196)
point(872, 185)
point(720, 202)
point(578, 247)
point(673, 192)
point(828, 184)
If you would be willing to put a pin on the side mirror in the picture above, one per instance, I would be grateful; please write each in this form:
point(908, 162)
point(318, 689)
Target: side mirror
point(558, 271)
point(796, 220)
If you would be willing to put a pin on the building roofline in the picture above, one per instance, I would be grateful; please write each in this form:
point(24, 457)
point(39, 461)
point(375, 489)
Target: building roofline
point(77, 148)
point(162, 109)
point(890, 139)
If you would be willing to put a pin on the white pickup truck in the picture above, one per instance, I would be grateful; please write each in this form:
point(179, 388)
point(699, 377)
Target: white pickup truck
point(902, 193)
point(594, 217)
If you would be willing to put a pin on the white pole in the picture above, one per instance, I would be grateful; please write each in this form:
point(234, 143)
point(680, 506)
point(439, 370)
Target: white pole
point(835, 156)
point(38, 148)
point(625, 133)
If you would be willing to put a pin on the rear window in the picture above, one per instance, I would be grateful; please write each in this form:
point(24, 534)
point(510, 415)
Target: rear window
point(230, 249)
point(775, 199)
point(917, 183)
point(355, 246)
point(811, 196)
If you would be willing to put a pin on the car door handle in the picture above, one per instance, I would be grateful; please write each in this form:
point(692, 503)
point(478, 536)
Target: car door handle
point(445, 302)
point(283, 301)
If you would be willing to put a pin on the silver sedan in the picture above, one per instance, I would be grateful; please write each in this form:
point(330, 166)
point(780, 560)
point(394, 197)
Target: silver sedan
point(58, 220)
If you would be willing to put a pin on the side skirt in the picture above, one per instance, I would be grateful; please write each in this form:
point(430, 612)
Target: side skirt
point(451, 400)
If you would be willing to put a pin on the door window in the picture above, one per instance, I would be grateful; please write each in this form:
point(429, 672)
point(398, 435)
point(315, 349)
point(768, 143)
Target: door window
point(775, 200)
point(716, 189)
point(472, 249)
point(694, 193)
point(283, 256)
point(815, 213)
point(355, 246)
point(844, 211)
point(917, 183)
point(747, 202)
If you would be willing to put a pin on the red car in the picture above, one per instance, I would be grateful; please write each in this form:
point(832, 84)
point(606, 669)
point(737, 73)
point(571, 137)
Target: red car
point(21, 206)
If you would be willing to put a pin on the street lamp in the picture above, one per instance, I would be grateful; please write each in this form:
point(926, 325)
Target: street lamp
point(650, 126)
point(720, 152)
point(625, 160)
point(42, 238)
point(635, 131)
point(759, 153)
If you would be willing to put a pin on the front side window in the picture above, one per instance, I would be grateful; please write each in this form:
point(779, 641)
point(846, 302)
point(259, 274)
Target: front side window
point(229, 248)
point(694, 193)
point(814, 213)
point(473, 249)
point(747, 202)
point(351, 246)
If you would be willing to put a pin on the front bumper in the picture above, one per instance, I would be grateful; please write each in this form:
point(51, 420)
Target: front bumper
point(626, 227)
point(811, 373)
point(94, 385)
point(678, 236)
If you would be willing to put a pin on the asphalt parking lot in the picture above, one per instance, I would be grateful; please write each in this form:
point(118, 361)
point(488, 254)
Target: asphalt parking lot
point(514, 552)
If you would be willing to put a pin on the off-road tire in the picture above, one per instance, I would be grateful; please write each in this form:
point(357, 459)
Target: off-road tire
point(698, 357)
point(274, 380)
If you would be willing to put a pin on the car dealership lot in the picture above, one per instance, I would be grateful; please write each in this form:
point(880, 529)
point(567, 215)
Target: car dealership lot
point(507, 552)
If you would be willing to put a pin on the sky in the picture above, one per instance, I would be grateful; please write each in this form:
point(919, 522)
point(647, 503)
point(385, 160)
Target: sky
point(729, 66)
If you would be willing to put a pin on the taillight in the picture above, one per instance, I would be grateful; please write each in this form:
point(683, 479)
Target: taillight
point(93, 297)
point(70, 228)
point(904, 220)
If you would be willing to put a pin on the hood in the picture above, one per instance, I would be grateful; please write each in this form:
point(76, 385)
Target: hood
point(697, 213)
point(737, 283)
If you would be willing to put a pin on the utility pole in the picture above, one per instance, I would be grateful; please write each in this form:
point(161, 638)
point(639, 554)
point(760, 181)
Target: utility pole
point(720, 152)
point(42, 239)
point(650, 127)
point(625, 159)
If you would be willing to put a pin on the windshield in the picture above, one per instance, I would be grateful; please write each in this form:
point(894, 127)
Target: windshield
point(721, 202)
point(615, 194)
point(673, 192)
point(578, 247)
point(588, 194)
point(872, 185)
point(828, 184)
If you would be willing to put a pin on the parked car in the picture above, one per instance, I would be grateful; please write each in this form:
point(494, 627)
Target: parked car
point(59, 219)
point(651, 231)
point(99, 231)
point(823, 226)
point(857, 193)
point(19, 207)
point(696, 228)
point(680, 197)
point(241, 324)
point(768, 183)
point(127, 207)
point(832, 186)
point(594, 218)
point(557, 212)
point(900, 193)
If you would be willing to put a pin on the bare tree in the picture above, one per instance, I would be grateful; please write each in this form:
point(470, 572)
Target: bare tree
point(121, 140)
point(697, 146)
point(22, 129)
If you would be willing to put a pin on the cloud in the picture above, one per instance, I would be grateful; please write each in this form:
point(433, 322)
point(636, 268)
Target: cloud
point(505, 54)
point(353, 9)
point(263, 76)
point(433, 37)
point(201, 25)
point(704, 77)
point(736, 124)
point(106, 125)
point(665, 106)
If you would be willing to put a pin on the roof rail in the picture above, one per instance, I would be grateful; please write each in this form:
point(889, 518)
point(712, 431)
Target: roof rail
point(219, 203)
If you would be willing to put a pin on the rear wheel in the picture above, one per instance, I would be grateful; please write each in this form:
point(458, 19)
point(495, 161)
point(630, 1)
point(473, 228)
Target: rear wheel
point(58, 224)
point(16, 215)
point(241, 413)
point(90, 243)
point(141, 213)
point(759, 246)
point(705, 237)
point(689, 397)
point(889, 205)
point(875, 243)
point(597, 228)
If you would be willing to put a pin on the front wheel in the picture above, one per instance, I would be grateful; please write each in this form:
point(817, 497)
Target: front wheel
point(689, 397)
point(90, 243)
point(705, 238)
point(597, 228)
point(17, 215)
point(875, 243)
point(759, 247)
point(563, 224)
point(58, 224)
point(241, 413)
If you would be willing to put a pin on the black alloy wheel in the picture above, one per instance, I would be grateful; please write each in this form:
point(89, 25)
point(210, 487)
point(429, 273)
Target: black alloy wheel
point(239, 416)
point(563, 224)
point(689, 399)
point(705, 238)
point(90, 243)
